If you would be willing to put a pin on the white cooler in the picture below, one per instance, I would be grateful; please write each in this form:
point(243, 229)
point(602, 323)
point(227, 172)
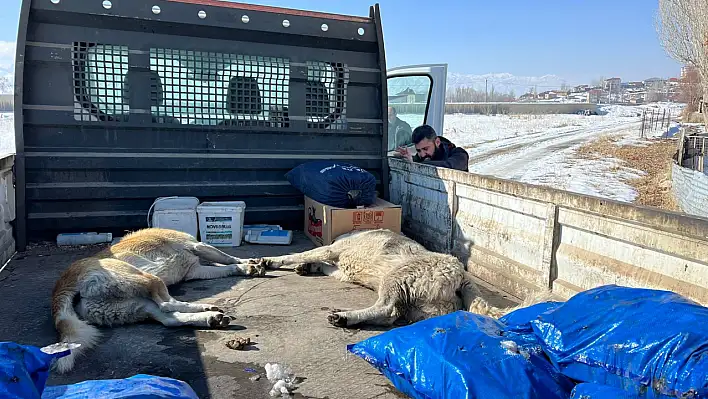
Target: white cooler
point(176, 213)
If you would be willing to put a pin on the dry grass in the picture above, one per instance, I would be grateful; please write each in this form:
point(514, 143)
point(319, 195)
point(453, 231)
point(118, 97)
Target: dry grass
point(654, 159)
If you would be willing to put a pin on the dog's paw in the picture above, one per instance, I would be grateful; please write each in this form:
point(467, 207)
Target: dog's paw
point(337, 319)
point(210, 308)
point(255, 270)
point(302, 269)
point(218, 320)
point(270, 263)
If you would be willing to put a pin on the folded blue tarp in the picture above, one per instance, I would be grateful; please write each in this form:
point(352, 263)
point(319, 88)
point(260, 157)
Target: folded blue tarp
point(139, 386)
point(463, 355)
point(640, 340)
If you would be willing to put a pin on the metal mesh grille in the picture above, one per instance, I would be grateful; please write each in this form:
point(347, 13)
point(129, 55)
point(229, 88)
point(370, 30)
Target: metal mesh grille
point(204, 88)
point(326, 95)
point(100, 93)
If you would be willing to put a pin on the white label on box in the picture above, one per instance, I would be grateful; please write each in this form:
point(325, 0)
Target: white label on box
point(219, 229)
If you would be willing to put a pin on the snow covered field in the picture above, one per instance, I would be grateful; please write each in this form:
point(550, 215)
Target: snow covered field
point(540, 149)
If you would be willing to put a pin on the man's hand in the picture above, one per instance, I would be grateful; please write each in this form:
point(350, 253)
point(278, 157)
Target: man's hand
point(403, 152)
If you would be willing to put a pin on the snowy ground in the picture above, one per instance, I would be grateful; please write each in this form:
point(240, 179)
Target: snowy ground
point(540, 149)
point(7, 134)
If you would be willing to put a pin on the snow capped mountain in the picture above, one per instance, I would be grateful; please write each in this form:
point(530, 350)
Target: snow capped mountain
point(504, 82)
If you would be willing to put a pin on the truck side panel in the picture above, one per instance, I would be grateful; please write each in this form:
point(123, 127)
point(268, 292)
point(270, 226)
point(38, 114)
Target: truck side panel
point(522, 238)
point(217, 100)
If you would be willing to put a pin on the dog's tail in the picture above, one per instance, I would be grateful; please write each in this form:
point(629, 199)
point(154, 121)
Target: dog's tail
point(473, 301)
point(71, 329)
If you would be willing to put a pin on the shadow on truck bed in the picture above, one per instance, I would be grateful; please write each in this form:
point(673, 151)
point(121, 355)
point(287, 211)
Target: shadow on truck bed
point(284, 314)
point(285, 318)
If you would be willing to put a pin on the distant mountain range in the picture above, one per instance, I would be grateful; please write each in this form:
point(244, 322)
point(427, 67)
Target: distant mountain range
point(504, 82)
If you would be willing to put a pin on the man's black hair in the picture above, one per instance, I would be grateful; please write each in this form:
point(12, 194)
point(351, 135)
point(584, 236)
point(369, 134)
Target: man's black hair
point(423, 132)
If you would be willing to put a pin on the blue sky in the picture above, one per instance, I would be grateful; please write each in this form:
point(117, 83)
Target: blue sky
point(578, 40)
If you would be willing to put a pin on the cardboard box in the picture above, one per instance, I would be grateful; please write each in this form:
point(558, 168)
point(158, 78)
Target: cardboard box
point(324, 223)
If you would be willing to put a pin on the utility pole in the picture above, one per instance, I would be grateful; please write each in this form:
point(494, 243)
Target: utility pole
point(485, 91)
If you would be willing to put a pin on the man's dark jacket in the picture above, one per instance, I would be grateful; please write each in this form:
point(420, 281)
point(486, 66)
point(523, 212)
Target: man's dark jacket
point(447, 156)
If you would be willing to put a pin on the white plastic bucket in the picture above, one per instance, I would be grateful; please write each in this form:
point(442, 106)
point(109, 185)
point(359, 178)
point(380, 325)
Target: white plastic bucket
point(175, 213)
point(221, 223)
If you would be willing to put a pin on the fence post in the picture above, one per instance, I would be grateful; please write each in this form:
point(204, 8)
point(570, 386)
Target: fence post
point(679, 156)
point(702, 155)
point(663, 120)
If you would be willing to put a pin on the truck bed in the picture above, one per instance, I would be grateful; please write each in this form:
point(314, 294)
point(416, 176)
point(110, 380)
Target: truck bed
point(283, 313)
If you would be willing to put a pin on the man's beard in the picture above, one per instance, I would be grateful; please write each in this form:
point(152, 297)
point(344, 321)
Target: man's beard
point(435, 153)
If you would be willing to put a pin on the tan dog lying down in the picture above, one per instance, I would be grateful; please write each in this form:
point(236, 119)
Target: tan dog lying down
point(127, 283)
point(412, 283)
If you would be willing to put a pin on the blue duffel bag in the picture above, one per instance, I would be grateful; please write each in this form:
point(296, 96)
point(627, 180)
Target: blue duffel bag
point(335, 184)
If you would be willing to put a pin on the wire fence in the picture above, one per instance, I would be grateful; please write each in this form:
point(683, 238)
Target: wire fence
point(692, 152)
point(653, 121)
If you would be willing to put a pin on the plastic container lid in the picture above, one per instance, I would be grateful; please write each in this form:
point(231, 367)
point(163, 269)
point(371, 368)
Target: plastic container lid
point(175, 203)
point(239, 204)
point(222, 206)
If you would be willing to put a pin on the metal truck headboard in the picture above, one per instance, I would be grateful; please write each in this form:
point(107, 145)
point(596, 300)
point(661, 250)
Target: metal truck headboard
point(120, 102)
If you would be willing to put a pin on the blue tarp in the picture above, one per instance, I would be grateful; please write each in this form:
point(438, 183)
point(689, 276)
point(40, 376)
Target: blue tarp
point(24, 371)
point(519, 320)
point(463, 355)
point(630, 338)
point(597, 391)
point(139, 386)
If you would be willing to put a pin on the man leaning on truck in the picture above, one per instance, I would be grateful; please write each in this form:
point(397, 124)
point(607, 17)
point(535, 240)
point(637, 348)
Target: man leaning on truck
point(435, 150)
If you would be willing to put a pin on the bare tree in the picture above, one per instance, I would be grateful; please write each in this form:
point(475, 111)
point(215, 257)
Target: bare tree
point(690, 90)
point(683, 30)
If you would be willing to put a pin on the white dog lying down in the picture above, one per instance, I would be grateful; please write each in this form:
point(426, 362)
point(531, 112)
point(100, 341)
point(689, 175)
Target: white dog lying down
point(127, 283)
point(412, 283)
